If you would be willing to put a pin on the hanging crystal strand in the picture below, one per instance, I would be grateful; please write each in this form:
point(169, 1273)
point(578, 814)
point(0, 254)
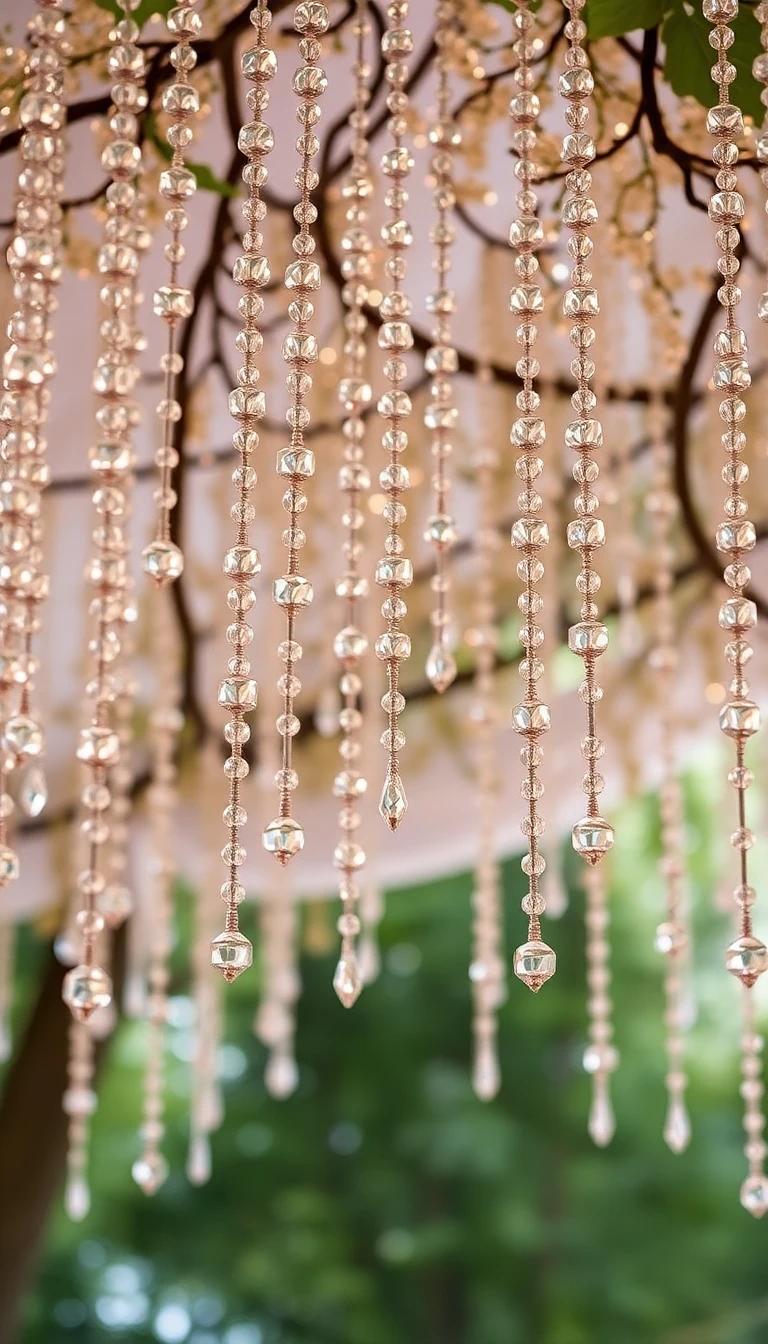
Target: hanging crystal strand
point(87, 986)
point(760, 72)
point(534, 961)
point(79, 1103)
point(371, 895)
point(592, 836)
point(441, 361)
point(747, 956)
point(173, 302)
point(284, 836)
point(34, 260)
point(350, 644)
point(165, 723)
point(205, 1112)
point(673, 934)
point(395, 572)
point(487, 970)
point(601, 1058)
point(7, 940)
point(231, 951)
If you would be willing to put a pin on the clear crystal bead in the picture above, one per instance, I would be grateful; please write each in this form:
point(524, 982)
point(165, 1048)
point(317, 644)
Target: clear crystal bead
point(85, 989)
point(163, 561)
point(283, 837)
point(592, 837)
point(677, 1125)
point(393, 803)
point(347, 980)
point(754, 1195)
point(534, 963)
point(231, 953)
point(440, 668)
point(150, 1171)
point(746, 958)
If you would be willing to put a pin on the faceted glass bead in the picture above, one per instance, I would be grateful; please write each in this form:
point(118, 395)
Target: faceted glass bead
point(754, 1195)
point(592, 837)
point(588, 637)
point(746, 958)
point(150, 1172)
point(98, 746)
point(393, 644)
point(115, 903)
point(163, 561)
point(726, 207)
point(394, 570)
point(670, 938)
point(238, 693)
point(172, 302)
point(178, 182)
point(600, 1057)
point(22, 737)
point(440, 668)
point(85, 989)
point(585, 532)
point(231, 953)
point(534, 963)
point(291, 590)
point(531, 718)
point(33, 791)
point(393, 803)
point(298, 462)
point(739, 718)
point(736, 536)
point(737, 613)
point(9, 865)
point(349, 644)
point(347, 980)
point(725, 120)
point(283, 837)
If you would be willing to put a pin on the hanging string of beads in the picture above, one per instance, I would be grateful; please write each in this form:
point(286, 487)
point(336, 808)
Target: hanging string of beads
point(166, 720)
point(441, 361)
point(534, 961)
point(350, 644)
point(284, 836)
point(588, 638)
point(394, 571)
point(173, 302)
point(29, 364)
point(231, 951)
point(87, 986)
point(747, 955)
point(673, 934)
point(601, 1058)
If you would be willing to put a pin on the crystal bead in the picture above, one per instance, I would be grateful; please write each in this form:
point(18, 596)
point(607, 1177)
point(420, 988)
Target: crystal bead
point(231, 953)
point(33, 791)
point(486, 1077)
point(115, 903)
point(677, 1125)
point(592, 837)
point(739, 718)
point(600, 1057)
point(393, 644)
point(739, 536)
point(281, 1076)
point(585, 532)
point(670, 938)
point(22, 737)
point(77, 1197)
point(199, 1166)
point(347, 980)
point(588, 638)
point(440, 668)
point(291, 590)
point(150, 1172)
point(530, 533)
point(238, 693)
point(283, 837)
point(296, 462)
point(163, 561)
point(754, 1195)
point(394, 570)
point(534, 963)
point(85, 989)
point(172, 302)
point(531, 718)
point(746, 958)
point(9, 865)
point(98, 746)
point(349, 644)
point(393, 803)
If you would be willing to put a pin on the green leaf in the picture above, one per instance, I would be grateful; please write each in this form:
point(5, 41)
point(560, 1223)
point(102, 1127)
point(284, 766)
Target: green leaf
point(140, 15)
point(689, 57)
point(612, 18)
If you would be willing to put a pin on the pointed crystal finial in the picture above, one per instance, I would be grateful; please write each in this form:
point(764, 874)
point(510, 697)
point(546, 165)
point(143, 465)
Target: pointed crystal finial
point(602, 1121)
point(231, 953)
point(486, 1075)
point(393, 803)
point(534, 963)
point(754, 1195)
point(33, 791)
point(77, 1197)
point(281, 1076)
point(150, 1171)
point(199, 1159)
point(746, 958)
point(592, 838)
point(283, 837)
point(347, 980)
point(677, 1126)
point(440, 668)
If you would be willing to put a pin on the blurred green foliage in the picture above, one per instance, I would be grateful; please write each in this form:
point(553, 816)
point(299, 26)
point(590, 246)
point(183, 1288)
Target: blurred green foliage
point(383, 1204)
